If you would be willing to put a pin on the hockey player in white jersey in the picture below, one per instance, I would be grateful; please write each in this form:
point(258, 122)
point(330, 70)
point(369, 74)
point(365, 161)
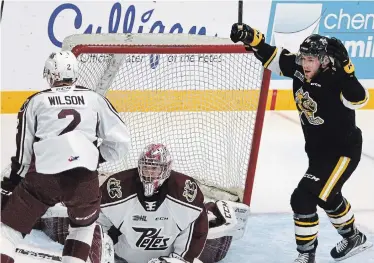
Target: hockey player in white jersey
point(148, 217)
point(57, 155)
point(152, 211)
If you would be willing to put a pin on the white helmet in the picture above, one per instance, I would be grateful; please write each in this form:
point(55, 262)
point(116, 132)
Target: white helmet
point(61, 66)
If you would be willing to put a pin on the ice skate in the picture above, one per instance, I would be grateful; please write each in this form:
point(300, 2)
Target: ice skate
point(350, 246)
point(306, 258)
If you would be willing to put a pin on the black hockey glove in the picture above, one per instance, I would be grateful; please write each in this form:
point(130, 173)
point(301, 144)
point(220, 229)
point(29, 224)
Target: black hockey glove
point(246, 34)
point(337, 50)
point(7, 186)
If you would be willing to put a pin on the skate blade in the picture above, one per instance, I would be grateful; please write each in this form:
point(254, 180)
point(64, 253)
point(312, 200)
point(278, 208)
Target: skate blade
point(356, 251)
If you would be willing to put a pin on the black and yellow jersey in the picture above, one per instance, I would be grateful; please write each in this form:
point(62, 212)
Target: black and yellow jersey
point(326, 104)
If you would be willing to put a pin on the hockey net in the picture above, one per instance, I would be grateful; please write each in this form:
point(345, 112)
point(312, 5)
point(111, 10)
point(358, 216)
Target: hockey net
point(201, 96)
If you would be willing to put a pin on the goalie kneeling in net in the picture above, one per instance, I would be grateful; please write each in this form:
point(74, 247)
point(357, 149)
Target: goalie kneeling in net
point(152, 214)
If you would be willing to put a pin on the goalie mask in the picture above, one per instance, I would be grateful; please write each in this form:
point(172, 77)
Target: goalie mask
point(61, 66)
point(154, 167)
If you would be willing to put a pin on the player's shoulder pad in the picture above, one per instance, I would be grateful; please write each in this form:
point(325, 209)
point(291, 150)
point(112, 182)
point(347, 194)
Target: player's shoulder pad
point(32, 97)
point(119, 186)
point(185, 189)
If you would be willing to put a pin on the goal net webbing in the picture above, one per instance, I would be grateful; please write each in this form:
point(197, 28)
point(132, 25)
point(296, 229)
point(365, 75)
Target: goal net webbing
point(201, 96)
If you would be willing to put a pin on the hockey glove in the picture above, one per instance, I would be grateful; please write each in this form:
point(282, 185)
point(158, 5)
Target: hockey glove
point(7, 186)
point(249, 36)
point(337, 50)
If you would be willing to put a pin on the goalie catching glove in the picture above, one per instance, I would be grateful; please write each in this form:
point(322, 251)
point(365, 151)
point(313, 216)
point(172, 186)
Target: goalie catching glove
point(251, 37)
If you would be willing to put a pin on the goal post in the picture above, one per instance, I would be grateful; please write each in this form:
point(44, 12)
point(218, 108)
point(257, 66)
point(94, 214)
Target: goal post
point(201, 96)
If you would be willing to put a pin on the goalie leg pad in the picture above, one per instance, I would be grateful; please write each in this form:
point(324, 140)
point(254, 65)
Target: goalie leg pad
point(95, 253)
point(215, 249)
point(102, 248)
point(227, 221)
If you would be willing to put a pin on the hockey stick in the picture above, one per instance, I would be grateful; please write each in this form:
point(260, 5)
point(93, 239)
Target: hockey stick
point(39, 255)
point(240, 12)
point(1, 11)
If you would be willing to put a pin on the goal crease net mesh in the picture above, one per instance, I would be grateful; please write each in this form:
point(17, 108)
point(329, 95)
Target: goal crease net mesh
point(200, 100)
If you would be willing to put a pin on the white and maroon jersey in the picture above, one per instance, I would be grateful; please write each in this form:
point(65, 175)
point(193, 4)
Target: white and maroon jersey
point(174, 220)
point(58, 130)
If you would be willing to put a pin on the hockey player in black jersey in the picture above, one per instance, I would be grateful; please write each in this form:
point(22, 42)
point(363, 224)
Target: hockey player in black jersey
point(326, 93)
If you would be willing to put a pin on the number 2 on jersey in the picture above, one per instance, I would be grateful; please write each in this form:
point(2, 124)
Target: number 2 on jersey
point(74, 123)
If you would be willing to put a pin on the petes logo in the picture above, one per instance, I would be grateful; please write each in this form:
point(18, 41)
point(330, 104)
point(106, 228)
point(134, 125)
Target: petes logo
point(346, 20)
point(190, 190)
point(114, 188)
point(151, 239)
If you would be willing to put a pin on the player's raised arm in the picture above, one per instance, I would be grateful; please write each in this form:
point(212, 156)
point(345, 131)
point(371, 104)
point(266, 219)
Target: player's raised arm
point(113, 131)
point(276, 59)
point(353, 94)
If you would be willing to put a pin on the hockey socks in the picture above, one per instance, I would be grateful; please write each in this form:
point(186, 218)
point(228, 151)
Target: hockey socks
point(306, 231)
point(342, 218)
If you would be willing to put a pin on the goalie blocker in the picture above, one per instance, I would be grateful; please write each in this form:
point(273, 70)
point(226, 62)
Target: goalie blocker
point(227, 222)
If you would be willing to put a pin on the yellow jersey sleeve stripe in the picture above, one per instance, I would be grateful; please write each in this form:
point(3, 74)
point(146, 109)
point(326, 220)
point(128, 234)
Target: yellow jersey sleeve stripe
point(271, 58)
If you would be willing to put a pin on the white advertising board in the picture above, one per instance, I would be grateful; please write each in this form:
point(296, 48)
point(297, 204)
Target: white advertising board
point(31, 30)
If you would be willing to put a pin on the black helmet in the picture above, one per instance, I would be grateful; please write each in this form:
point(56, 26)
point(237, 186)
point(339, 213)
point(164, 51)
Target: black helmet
point(314, 45)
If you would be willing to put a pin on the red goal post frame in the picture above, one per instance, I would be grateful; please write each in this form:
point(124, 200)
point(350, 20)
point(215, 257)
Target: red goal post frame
point(196, 49)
